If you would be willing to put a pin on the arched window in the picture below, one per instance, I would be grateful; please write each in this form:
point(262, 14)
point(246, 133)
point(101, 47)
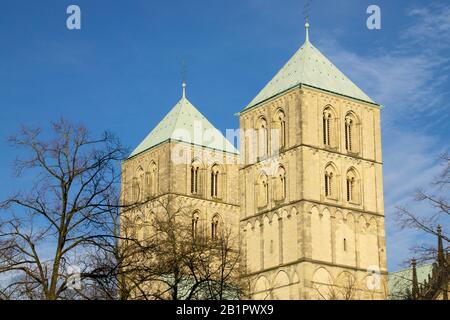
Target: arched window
point(263, 139)
point(139, 233)
point(348, 134)
point(280, 186)
point(328, 127)
point(352, 186)
point(135, 190)
point(263, 191)
point(266, 191)
point(195, 178)
point(148, 184)
point(152, 180)
point(280, 125)
point(148, 222)
point(351, 133)
point(330, 183)
point(195, 225)
point(283, 132)
point(215, 227)
point(329, 180)
point(140, 185)
point(215, 176)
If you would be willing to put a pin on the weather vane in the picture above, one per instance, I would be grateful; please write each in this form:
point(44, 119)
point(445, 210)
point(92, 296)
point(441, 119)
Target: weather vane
point(306, 12)
point(183, 70)
point(306, 9)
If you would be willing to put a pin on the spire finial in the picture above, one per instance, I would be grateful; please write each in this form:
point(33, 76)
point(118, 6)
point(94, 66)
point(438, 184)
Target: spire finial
point(184, 89)
point(307, 31)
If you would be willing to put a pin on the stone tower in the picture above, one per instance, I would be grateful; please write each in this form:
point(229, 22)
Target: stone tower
point(185, 157)
point(311, 185)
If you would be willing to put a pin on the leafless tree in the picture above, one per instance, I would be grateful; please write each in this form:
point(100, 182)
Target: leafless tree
point(346, 289)
point(101, 267)
point(436, 196)
point(435, 223)
point(71, 215)
point(169, 261)
point(214, 263)
point(69, 178)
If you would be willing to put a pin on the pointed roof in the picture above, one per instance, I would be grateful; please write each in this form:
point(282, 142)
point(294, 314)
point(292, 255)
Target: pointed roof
point(186, 124)
point(308, 66)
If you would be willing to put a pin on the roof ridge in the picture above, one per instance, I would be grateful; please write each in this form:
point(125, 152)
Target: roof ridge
point(175, 124)
point(410, 269)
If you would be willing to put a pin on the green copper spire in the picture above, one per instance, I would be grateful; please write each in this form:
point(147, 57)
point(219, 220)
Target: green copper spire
point(308, 66)
point(186, 124)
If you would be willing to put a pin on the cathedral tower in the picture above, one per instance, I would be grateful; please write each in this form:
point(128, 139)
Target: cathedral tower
point(311, 188)
point(187, 158)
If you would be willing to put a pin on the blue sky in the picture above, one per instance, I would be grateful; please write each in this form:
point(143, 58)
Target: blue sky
point(122, 72)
